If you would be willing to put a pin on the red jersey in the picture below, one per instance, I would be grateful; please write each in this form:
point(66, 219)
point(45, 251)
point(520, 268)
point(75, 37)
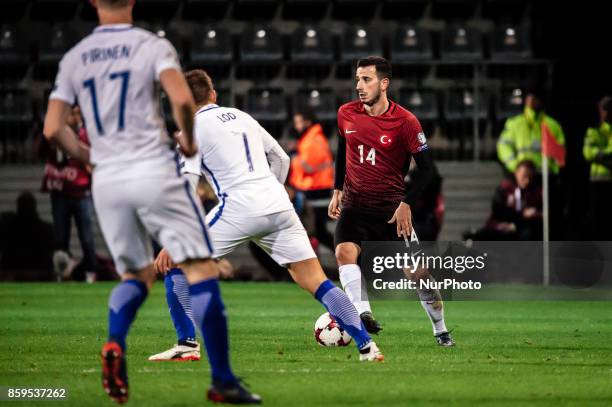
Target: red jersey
point(66, 174)
point(378, 153)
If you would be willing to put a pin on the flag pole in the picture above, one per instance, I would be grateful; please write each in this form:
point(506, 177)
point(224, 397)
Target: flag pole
point(545, 217)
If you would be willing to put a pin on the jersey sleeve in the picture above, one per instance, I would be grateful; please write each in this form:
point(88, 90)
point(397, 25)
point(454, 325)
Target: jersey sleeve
point(414, 137)
point(63, 88)
point(165, 57)
point(191, 165)
point(340, 121)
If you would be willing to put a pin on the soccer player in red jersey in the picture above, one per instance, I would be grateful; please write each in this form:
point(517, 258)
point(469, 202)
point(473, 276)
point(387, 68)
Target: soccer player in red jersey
point(377, 139)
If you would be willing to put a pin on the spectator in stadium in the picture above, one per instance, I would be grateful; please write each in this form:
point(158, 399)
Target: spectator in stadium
point(516, 208)
point(69, 184)
point(26, 242)
point(428, 210)
point(597, 151)
point(312, 172)
point(521, 140)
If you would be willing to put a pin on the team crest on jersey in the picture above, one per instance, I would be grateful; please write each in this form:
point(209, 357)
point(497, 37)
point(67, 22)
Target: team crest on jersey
point(421, 138)
point(385, 140)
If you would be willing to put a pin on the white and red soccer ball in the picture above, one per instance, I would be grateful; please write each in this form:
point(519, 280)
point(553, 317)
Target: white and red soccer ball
point(328, 332)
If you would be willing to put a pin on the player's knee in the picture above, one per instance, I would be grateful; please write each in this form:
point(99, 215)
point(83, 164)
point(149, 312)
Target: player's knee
point(308, 274)
point(346, 254)
point(199, 270)
point(146, 275)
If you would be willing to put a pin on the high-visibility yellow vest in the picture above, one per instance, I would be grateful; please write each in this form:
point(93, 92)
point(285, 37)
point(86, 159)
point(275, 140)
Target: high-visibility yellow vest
point(598, 143)
point(521, 140)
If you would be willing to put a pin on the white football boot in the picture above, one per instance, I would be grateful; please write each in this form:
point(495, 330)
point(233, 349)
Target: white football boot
point(371, 353)
point(178, 353)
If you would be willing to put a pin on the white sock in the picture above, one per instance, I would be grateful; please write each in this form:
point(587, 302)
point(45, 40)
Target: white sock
point(435, 311)
point(350, 278)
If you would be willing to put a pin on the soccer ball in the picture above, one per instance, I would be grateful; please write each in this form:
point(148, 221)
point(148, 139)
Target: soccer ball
point(328, 332)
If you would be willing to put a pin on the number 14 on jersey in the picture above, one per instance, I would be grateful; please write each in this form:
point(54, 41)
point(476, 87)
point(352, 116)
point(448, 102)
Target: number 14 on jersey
point(371, 157)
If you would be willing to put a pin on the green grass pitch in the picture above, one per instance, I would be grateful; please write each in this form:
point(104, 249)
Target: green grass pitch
point(508, 353)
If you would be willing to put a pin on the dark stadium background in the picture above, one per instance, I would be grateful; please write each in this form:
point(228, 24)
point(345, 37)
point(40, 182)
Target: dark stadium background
point(566, 43)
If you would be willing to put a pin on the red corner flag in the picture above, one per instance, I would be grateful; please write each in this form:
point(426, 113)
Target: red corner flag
point(551, 147)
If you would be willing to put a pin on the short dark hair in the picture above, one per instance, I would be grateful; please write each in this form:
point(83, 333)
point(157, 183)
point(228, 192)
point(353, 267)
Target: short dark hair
point(307, 114)
point(606, 104)
point(528, 164)
point(112, 4)
point(536, 89)
point(200, 84)
point(383, 67)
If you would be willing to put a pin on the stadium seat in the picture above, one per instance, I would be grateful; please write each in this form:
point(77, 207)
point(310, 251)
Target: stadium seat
point(459, 104)
point(312, 53)
point(359, 41)
point(15, 106)
point(349, 10)
point(53, 10)
point(13, 10)
point(155, 9)
point(461, 42)
point(447, 9)
point(208, 10)
point(404, 9)
point(266, 104)
point(305, 10)
point(504, 9)
point(422, 102)
point(321, 101)
point(510, 41)
point(14, 51)
point(55, 40)
point(261, 44)
point(255, 10)
point(211, 45)
point(16, 116)
point(312, 45)
point(509, 102)
point(411, 43)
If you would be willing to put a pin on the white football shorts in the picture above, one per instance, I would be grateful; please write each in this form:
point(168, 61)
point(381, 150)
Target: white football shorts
point(132, 211)
point(280, 234)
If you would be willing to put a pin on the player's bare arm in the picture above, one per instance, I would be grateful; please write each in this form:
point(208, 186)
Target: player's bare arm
point(57, 131)
point(183, 108)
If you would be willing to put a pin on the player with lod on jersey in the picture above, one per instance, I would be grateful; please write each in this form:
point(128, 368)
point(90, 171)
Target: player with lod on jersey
point(247, 168)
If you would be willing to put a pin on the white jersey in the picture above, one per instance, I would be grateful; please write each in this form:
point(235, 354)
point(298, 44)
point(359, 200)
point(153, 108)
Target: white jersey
point(232, 157)
point(113, 73)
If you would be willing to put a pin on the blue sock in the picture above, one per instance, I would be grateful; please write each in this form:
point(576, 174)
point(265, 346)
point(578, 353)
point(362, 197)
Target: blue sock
point(209, 315)
point(123, 303)
point(179, 304)
point(343, 311)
